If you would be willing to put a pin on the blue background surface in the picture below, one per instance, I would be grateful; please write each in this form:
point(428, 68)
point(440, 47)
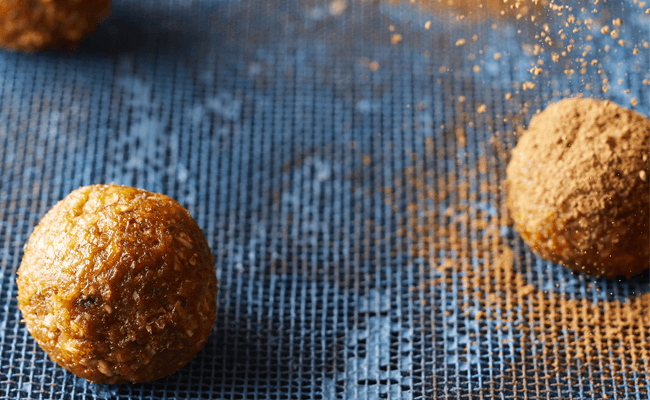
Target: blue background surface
point(265, 120)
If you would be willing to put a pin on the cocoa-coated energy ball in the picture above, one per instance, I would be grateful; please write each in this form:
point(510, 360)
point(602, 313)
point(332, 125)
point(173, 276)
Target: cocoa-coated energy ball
point(118, 285)
point(30, 25)
point(578, 189)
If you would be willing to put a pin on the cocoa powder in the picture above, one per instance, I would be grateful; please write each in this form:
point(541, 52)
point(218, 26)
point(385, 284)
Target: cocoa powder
point(556, 334)
point(577, 190)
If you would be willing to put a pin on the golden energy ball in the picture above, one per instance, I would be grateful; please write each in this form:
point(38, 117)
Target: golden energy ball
point(118, 285)
point(30, 25)
point(578, 189)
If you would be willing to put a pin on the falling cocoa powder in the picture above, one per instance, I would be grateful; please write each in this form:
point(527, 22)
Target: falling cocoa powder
point(576, 190)
point(473, 11)
point(558, 36)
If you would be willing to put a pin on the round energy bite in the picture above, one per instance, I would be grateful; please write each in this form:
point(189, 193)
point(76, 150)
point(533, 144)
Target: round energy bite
point(30, 25)
point(118, 285)
point(578, 189)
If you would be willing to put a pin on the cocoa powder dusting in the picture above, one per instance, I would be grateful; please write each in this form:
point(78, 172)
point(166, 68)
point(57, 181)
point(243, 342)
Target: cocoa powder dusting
point(575, 187)
point(555, 333)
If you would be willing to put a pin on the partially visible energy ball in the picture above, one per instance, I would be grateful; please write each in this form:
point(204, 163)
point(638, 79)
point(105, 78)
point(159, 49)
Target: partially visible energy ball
point(578, 189)
point(30, 25)
point(118, 285)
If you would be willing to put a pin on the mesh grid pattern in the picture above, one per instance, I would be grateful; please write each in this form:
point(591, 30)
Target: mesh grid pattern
point(356, 213)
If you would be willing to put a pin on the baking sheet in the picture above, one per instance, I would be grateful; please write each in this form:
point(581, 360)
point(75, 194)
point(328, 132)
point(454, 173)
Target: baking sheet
point(345, 161)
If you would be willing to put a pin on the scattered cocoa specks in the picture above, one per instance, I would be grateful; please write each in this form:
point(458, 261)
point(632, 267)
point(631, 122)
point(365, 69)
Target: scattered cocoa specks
point(460, 136)
point(558, 41)
point(527, 290)
point(337, 7)
point(498, 285)
point(496, 291)
point(528, 85)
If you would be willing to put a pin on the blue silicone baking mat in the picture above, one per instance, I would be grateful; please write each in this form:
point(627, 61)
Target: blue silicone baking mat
point(345, 160)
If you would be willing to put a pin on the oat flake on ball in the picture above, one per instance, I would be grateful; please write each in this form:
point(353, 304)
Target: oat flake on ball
point(30, 25)
point(578, 189)
point(118, 285)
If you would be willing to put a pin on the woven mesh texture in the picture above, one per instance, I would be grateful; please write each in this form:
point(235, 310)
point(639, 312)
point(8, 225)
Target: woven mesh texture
point(349, 184)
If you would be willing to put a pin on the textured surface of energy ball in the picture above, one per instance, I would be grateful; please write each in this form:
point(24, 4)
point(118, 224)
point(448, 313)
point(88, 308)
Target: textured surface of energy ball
point(118, 285)
point(30, 25)
point(578, 187)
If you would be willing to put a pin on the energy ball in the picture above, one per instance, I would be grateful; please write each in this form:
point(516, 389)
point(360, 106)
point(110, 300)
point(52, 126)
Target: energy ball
point(118, 285)
point(30, 25)
point(578, 189)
